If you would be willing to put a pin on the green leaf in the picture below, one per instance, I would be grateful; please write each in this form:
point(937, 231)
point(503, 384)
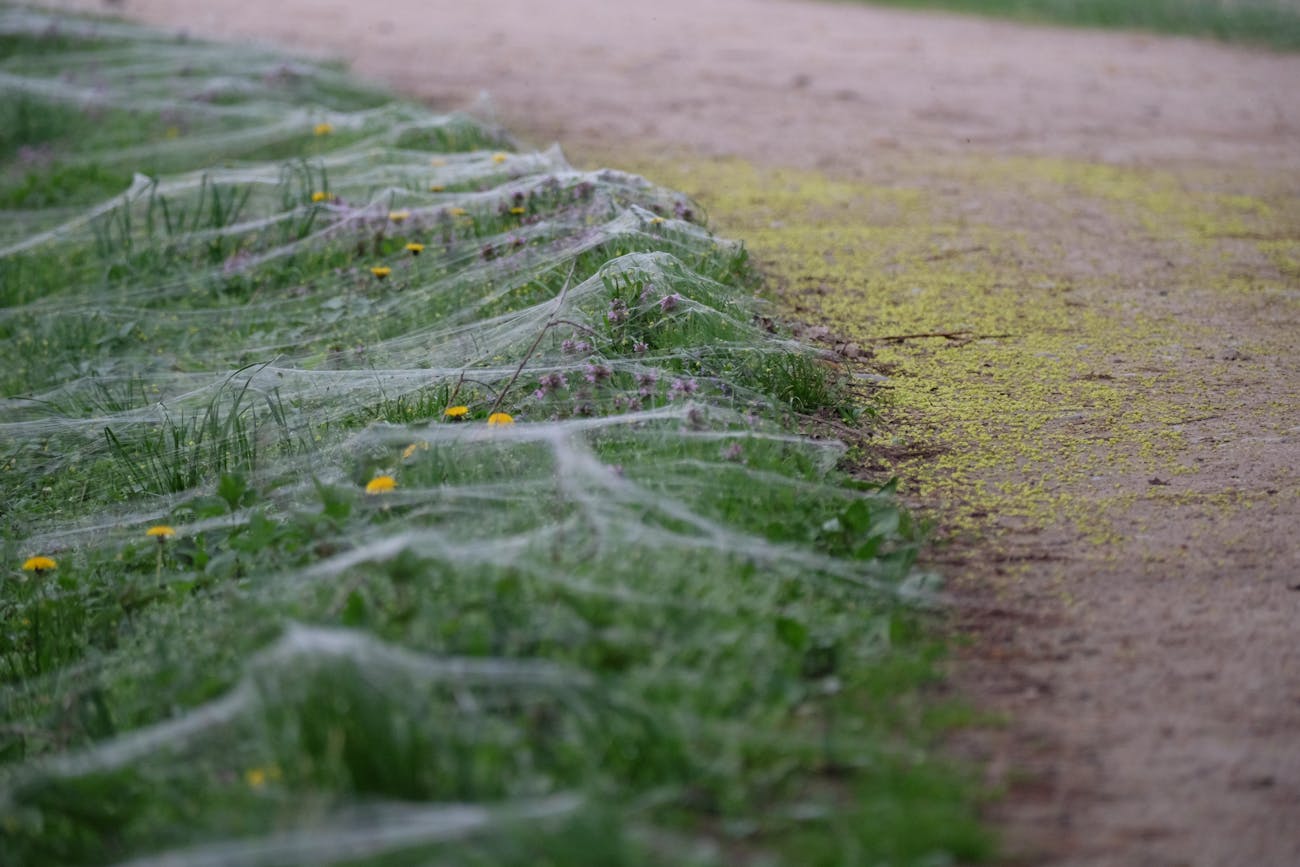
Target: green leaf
point(354, 612)
point(793, 633)
point(856, 517)
point(232, 488)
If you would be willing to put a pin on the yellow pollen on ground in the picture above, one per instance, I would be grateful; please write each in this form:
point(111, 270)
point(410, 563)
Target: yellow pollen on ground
point(1021, 383)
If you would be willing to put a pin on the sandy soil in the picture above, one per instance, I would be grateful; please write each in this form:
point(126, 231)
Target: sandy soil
point(1139, 627)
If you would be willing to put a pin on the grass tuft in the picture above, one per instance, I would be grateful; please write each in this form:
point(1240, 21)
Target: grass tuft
point(1269, 23)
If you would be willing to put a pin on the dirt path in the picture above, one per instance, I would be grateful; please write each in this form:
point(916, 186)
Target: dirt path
point(1108, 228)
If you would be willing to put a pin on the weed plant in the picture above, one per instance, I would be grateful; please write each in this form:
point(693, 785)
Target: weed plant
point(375, 494)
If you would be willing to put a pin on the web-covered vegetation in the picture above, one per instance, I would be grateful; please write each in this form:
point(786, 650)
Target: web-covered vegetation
point(639, 618)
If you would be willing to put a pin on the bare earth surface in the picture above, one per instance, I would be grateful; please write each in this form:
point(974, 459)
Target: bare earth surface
point(1106, 231)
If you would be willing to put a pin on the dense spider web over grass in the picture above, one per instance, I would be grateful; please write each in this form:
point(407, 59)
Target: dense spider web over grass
point(640, 618)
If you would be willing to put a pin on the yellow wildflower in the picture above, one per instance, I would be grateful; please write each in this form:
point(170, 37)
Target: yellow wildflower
point(414, 249)
point(499, 158)
point(256, 778)
point(381, 485)
point(518, 210)
point(456, 411)
point(162, 533)
point(498, 418)
point(321, 196)
point(655, 221)
point(323, 128)
point(39, 564)
point(381, 271)
point(436, 188)
point(413, 448)
point(398, 216)
point(457, 212)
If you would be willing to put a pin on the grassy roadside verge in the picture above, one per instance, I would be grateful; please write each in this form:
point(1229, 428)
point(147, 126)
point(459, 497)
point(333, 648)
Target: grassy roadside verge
point(1271, 23)
point(489, 517)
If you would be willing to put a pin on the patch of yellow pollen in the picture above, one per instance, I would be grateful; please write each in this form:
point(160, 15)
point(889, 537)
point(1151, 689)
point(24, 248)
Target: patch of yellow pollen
point(1066, 376)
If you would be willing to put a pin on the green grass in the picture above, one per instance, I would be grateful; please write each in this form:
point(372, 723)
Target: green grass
point(1271, 23)
point(650, 622)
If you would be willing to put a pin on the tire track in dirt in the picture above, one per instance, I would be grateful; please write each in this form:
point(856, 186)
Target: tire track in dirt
point(1110, 222)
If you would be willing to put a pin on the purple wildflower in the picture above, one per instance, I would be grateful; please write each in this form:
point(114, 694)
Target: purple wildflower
point(554, 381)
point(596, 373)
point(617, 311)
point(669, 302)
point(640, 347)
point(733, 452)
point(683, 387)
point(646, 383)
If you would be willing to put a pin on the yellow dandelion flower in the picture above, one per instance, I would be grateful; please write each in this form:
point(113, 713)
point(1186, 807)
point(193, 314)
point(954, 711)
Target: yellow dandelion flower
point(161, 532)
point(456, 411)
point(381, 271)
point(499, 158)
point(381, 485)
point(321, 196)
point(399, 216)
point(655, 221)
point(414, 249)
point(39, 564)
point(518, 210)
point(413, 448)
point(457, 212)
point(323, 128)
point(436, 188)
point(499, 418)
point(256, 778)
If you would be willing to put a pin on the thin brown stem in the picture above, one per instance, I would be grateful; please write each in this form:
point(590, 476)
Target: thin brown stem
point(551, 321)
